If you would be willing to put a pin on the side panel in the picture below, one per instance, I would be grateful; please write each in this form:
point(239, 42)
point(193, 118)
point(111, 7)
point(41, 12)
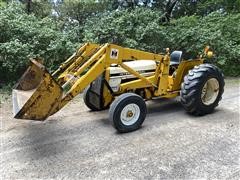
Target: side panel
point(182, 70)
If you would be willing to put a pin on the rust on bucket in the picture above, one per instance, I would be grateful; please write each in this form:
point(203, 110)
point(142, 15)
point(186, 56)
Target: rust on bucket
point(37, 94)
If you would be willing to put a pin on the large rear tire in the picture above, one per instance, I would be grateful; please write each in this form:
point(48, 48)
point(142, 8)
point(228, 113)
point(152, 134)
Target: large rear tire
point(202, 89)
point(127, 112)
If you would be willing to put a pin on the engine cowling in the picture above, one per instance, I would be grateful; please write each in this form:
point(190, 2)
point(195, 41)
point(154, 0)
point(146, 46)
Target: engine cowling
point(118, 74)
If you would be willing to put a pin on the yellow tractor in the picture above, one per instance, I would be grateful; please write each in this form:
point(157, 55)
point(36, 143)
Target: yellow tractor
point(119, 78)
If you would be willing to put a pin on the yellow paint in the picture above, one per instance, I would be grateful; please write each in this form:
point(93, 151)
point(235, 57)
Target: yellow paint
point(84, 66)
point(45, 97)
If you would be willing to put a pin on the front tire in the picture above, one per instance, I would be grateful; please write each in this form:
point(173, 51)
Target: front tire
point(202, 89)
point(128, 112)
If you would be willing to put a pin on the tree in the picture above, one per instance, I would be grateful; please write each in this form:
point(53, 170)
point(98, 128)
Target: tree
point(3, 3)
point(40, 8)
point(205, 7)
point(24, 36)
point(79, 10)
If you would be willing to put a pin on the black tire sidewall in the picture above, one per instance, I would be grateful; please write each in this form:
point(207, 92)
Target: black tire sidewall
point(117, 114)
point(191, 89)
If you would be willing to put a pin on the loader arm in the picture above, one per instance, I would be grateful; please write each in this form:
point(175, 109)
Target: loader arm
point(70, 60)
point(73, 63)
point(74, 75)
point(100, 61)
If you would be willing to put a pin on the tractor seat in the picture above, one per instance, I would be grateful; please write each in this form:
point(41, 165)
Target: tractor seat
point(175, 58)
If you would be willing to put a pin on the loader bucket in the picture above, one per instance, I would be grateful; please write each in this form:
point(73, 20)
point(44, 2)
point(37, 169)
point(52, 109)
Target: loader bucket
point(37, 94)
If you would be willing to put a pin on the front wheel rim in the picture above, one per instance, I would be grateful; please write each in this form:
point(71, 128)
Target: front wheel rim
point(210, 91)
point(130, 114)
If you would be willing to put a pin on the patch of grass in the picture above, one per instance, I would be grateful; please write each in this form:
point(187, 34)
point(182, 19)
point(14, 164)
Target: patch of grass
point(232, 81)
point(5, 94)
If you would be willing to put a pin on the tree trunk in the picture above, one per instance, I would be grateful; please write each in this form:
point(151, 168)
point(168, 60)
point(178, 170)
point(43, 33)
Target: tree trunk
point(29, 6)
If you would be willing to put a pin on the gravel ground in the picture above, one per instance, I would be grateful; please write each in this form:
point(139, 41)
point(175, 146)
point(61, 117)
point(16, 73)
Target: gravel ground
point(76, 143)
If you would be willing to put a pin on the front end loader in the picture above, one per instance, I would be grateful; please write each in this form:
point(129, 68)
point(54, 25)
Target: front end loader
point(120, 79)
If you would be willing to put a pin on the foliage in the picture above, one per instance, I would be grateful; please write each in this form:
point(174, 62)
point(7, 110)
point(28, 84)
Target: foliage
point(220, 31)
point(3, 3)
point(41, 8)
point(133, 29)
point(55, 28)
point(141, 28)
point(24, 36)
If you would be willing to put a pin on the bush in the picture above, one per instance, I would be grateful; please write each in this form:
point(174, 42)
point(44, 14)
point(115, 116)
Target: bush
point(220, 31)
point(24, 36)
point(138, 28)
point(141, 28)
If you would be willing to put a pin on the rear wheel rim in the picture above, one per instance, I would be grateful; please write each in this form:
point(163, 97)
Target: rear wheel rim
point(130, 114)
point(210, 91)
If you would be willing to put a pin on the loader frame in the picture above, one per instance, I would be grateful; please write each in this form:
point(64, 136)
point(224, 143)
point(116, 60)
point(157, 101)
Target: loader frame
point(102, 57)
point(92, 60)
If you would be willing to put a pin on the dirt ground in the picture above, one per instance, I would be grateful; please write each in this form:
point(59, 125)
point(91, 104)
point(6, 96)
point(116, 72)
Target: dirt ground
point(76, 143)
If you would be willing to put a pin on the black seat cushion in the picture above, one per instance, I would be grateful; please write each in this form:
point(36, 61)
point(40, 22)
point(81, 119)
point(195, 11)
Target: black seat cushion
point(175, 57)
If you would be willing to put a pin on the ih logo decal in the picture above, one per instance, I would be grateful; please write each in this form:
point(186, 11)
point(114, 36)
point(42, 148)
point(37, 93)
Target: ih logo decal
point(114, 54)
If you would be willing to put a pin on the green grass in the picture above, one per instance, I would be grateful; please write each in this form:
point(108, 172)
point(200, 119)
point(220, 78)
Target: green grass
point(5, 94)
point(232, 81)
